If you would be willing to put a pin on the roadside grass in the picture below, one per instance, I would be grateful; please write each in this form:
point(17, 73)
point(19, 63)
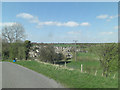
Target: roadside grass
point(70, 78)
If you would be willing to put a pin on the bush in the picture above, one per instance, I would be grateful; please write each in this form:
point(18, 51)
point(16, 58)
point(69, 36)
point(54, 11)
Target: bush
point(48, 54)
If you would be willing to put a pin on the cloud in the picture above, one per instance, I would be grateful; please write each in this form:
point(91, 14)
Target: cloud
point(71, 24)
point(7, 24)
point(68, 24)
point(102, 16)
point(25, 16)
point(85, 24)
point(107, 17)
point(29, 17)
point(107, 33)
point(34, 19)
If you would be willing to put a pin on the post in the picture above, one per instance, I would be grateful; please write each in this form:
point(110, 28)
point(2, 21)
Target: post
point(65, 63)
point(81, 68)
point(96, 73)
point(75, 49)
point(102, 74)
point(114, 76)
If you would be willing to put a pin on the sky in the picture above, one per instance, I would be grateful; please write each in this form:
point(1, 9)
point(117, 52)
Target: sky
point(63, 22)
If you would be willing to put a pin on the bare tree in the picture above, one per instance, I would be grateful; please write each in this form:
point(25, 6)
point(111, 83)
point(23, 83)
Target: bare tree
point(13, 33)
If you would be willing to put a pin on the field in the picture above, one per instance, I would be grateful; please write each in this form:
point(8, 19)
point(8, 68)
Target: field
point(70, 78)
point(90, 63)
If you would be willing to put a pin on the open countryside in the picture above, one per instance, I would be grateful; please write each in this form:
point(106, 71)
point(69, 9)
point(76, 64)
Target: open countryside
point(58, 47)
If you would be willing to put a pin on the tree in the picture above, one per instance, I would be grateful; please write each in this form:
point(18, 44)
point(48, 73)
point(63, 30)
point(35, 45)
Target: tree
point(13, 50)
point(108, 57)
point(60, 56)
point(12, 41)
point(13, 33)
point(27, 45)
point(5, 50)
point(47, 54)
point(21, 52)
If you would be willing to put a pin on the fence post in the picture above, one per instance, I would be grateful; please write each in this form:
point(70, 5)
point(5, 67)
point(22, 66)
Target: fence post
point(65, 63)
point(96, 73)
point(102, 74)
point(81, 68)
point(114, 76)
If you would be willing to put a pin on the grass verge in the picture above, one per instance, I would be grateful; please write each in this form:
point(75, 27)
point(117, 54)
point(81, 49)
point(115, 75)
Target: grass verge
point(70, 78)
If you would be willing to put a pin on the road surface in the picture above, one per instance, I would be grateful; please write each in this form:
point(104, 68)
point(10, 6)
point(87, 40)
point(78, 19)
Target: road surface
point(0, 75)
point(16, 76)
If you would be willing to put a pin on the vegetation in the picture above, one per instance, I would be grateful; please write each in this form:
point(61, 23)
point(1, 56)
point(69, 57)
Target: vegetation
point(13, 45)
point(71, 78)
point(108, 57)
point(102, 58)
point(14, 33)
point(16, 50)
point(87, 56)
point(48, 54)
point(27, 45)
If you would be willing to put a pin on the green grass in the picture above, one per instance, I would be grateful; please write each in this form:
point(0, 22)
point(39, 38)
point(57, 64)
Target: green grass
point(90, 64)
point(86, 56)
point(71, 79)
point(77, 64)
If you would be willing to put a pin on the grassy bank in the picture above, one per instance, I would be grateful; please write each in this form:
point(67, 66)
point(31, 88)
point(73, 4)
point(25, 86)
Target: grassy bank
point(70, 78)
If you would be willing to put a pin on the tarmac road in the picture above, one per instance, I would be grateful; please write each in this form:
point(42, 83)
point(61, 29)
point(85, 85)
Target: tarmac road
point(0, 75)
point(16, 76)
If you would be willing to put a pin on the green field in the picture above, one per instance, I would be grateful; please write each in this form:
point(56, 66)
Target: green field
point(86, 57)
point(70, 78)
point(90, 64)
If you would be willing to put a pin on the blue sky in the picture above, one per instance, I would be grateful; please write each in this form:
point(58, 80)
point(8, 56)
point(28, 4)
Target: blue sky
point(87, 22)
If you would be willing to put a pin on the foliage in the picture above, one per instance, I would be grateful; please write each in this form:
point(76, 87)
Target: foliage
point(16, 50)
point(60, 56)
point(108, 57)
point(27, 45)
point(12, 41)
point(48, 54)
point(21, 52)
point(5, 50)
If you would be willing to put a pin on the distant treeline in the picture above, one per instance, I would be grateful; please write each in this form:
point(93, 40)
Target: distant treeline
point(88, 44)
